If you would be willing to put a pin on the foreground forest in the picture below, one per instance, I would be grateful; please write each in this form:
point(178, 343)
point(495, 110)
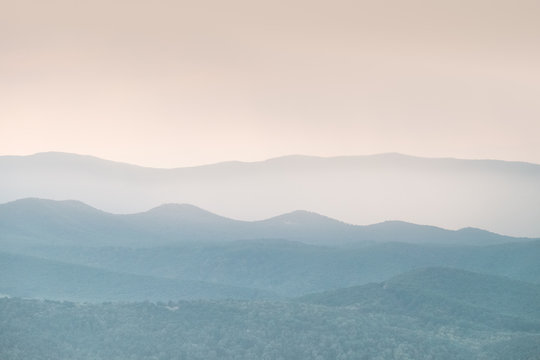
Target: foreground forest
point(434, 313)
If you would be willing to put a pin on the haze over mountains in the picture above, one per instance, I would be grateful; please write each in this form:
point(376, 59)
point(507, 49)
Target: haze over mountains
point(280, 256)
point(282, 283)
point(499, 196)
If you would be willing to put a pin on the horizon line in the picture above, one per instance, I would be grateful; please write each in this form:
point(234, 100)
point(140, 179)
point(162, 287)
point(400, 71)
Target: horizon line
point(397, 154)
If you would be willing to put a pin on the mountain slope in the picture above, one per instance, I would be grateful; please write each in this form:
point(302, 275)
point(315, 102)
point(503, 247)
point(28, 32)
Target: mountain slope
point(26, 276)
point(293, 268)
point(356, 189)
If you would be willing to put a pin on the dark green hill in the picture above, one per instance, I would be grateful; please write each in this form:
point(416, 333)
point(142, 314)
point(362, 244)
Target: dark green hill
point(443, 295)
point(496, 293)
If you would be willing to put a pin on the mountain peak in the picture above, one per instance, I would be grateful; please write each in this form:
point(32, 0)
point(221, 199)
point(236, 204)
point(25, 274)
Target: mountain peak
point(303, 217)
point(177, 207)
point(184, 212)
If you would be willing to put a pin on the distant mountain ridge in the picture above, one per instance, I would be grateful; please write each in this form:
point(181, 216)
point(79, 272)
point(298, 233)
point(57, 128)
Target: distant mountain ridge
point(73, 223)
point(498, 195)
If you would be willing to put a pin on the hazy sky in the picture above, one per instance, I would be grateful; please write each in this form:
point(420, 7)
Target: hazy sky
point(170, 83)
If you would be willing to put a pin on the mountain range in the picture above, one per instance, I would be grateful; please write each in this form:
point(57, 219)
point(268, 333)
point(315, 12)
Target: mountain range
point(497, 195)
point(47, 222)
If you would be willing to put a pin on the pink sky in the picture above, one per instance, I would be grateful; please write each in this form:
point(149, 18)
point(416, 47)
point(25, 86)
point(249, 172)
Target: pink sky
point(173, 83)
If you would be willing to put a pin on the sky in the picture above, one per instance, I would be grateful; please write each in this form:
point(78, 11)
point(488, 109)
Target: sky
point(168, 83)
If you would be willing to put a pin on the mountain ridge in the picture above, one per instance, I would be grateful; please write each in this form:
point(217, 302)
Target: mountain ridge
point(71, 222)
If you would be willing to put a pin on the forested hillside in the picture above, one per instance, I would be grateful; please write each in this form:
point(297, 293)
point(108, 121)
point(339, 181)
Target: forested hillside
point(403, 318)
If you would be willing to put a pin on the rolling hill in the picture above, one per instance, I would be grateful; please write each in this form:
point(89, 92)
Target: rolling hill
point(30, 277)
point(448, 291)
point(446, 297)
point(293, 268)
